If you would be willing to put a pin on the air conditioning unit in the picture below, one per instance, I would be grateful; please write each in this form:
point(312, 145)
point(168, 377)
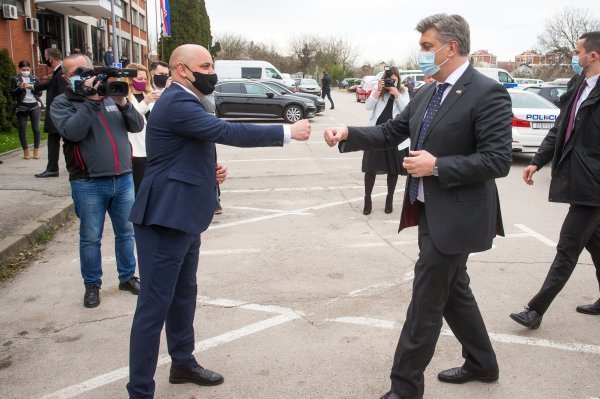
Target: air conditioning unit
point(32, 24)
point(9, 11)
point(101, 23)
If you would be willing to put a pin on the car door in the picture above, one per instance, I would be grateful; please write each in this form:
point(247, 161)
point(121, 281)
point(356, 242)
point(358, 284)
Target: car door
point(230, 99)
point(259, 103)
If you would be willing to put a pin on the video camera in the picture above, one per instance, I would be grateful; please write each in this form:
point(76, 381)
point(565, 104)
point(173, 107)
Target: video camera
point(102, 74)
point(387, 77)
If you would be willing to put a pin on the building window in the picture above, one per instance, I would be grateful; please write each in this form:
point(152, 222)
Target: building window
point(77, 36)
point(125, 10)
point(125, 52)
point(142, 24)
point(20, 4)
point(134, 17)
point(98, 45)
point(136, 53)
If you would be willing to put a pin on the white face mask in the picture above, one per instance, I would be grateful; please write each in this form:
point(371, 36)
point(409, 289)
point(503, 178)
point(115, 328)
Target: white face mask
point(25, 73)
point(426, 61)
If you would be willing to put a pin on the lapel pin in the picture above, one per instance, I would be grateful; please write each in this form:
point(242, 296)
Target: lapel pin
point(459, 91)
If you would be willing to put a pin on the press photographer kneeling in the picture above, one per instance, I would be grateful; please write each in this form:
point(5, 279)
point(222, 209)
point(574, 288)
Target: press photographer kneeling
point(93, 116)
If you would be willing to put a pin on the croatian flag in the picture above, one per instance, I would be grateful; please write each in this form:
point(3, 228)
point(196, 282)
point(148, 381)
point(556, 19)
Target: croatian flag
point(165, 10)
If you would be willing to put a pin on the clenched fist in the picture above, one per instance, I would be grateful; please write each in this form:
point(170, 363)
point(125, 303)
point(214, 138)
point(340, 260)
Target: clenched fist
point(334, 135)
point(301, 130)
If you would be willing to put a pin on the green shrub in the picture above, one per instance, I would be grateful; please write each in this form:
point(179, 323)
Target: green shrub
point(7, 71)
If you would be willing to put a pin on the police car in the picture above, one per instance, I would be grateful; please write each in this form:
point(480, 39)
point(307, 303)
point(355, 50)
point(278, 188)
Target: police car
point(533, 116)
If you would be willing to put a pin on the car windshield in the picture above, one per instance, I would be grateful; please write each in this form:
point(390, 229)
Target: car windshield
point(526, 100)
point(308, 82)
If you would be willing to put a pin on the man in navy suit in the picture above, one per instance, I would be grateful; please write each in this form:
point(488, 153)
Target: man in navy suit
point(460, 131)
point(175, 204)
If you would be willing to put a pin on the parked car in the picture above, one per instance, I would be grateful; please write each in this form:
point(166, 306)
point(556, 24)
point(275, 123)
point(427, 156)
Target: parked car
point(550, 91)
point(280, 88)
point(311, 86)
point(363, 92)
point(247, 69)
point(347, 82)
point(289, 82)
point(533, 116)
point(242, 98)
point(354, 87)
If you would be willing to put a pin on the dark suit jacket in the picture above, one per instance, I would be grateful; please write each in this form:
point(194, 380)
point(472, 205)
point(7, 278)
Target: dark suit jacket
point(54, 87)
point(179, 186)
point(471, 137)
point(576, 165)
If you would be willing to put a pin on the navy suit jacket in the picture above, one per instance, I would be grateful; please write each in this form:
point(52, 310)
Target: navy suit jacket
point(178, 190)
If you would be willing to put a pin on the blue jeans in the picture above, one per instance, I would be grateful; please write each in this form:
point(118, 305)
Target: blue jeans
point(93, 197)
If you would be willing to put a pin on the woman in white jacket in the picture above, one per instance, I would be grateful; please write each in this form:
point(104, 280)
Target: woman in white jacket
point(142, 96)
point(387, 101)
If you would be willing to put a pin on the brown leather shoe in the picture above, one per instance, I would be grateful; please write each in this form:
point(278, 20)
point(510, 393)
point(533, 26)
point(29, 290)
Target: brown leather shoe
point(36, 153)
point(26, 154)
point(593, 308)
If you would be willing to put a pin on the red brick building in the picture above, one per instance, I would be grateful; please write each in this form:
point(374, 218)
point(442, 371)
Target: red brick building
point(71, 24)
point(483, 58)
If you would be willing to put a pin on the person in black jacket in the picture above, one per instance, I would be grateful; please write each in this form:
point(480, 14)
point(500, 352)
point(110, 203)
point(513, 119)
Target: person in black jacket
point(27, 102)
point(573, 146)
point(55, 86)
point(326, 87)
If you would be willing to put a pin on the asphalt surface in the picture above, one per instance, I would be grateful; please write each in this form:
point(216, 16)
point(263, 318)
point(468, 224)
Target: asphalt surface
point(300, 295)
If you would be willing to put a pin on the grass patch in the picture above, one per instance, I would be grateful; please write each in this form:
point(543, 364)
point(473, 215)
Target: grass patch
point(10, 140)
point(12, 266)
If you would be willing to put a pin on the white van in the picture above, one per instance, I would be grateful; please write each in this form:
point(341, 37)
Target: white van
point(247, 69)
point(499, 75)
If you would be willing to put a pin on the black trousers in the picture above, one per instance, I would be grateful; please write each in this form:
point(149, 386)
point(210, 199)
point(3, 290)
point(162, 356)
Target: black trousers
point(138, 167)
point(581, 229)
point(440, 290)
point(22, 117)
point(328, 94)
point(53, 152)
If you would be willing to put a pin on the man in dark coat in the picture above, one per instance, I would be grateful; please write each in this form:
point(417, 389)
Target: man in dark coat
point(573, 146)
point(460, 131)
point(54, 87)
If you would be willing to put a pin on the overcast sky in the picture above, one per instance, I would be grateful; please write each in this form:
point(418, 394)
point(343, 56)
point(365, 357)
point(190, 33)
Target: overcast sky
point(385, 30)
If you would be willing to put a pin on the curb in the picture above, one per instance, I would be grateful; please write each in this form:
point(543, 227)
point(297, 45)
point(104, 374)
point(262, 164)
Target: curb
point(28, 235)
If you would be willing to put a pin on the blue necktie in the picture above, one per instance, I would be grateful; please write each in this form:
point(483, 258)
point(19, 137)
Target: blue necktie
point(432, 110)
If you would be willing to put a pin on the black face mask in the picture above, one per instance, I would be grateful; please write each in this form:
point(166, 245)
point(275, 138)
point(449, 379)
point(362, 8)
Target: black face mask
point(48, 62)
point(204, 83)
point(160, 81)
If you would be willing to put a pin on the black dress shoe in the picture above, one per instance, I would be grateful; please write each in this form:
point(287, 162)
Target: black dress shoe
point(368, 206)
point(391, 395)
point(132, 285)
point(528, 318)
point(47, 174)
point(197, 375)
point(593, 308)
point(459, 375)
point(91, 298)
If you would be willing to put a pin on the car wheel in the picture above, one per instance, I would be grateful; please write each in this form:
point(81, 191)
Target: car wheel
point(357, 98)
point(293, 113)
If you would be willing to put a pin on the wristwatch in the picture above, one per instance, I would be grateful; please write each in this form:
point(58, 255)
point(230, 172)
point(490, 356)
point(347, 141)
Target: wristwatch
point(435, 171)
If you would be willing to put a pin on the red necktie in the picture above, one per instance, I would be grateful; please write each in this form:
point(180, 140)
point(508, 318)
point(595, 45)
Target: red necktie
point(573, 111)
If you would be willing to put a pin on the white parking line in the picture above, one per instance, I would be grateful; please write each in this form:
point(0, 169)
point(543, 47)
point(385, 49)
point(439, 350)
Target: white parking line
point(229, 161)
point(284, 315)
point(536, 235)
point(504, 338)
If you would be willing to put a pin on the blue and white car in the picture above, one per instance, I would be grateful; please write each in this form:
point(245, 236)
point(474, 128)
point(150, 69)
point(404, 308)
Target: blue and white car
point(533, 116)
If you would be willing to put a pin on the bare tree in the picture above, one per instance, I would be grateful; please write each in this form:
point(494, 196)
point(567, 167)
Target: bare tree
point(562, 31)
point(233, 47)
point(334, 51)
point(304, 48)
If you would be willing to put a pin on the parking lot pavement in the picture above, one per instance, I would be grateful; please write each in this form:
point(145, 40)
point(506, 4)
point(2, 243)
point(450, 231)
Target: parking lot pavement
point(302, 296)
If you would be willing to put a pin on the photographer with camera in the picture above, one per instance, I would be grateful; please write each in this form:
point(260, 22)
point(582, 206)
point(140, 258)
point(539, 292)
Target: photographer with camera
point(93, 116)
point(386, 102)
